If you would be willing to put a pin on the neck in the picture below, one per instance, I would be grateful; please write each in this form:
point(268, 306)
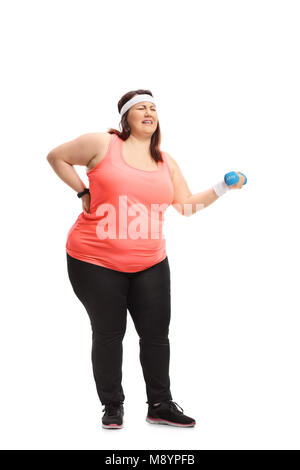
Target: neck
point(139, 141)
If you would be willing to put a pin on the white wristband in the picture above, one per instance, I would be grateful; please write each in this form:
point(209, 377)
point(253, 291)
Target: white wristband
point(220, 188)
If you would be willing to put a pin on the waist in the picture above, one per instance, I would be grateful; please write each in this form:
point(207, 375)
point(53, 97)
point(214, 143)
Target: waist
point(127, 262)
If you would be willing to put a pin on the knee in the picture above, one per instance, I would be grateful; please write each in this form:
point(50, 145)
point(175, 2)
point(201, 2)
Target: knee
point(107, 337)
point(160, 340)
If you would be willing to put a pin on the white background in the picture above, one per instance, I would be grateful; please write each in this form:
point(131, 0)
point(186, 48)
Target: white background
point(225, 76)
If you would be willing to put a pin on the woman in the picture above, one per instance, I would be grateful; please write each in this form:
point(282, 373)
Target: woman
point(116, 252)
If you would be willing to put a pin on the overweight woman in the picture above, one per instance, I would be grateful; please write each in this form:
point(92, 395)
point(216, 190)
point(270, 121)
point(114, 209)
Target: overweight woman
point(116, 252)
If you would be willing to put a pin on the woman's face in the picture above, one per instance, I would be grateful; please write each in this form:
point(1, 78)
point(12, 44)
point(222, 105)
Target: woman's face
point(142, 112)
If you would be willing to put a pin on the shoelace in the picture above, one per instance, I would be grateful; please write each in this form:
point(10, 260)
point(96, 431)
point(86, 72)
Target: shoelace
point(111, 408)
point(173, 405)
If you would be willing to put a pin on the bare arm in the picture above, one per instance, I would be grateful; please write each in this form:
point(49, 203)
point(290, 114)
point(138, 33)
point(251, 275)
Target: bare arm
point(187, 203)
point(79, 151)
point(184, 201)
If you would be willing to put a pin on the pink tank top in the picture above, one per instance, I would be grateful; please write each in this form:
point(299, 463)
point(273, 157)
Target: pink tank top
point(124, 229)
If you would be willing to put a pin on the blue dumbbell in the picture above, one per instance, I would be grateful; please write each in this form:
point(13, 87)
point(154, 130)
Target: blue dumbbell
point(232, 177)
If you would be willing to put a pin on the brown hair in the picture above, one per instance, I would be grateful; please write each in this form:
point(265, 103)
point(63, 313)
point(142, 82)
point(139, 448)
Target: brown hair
point(125, 128)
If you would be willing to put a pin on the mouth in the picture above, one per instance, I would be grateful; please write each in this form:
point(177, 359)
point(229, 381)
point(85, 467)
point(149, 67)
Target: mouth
point(147, 122)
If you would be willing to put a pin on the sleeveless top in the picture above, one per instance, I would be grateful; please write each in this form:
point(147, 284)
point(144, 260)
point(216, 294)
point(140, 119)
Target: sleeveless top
point(124, 229)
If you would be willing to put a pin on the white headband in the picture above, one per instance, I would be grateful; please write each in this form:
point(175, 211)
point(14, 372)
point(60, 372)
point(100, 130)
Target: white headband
point(134, 100)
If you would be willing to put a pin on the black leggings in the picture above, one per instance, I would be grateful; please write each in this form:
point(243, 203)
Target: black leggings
point(106, 295)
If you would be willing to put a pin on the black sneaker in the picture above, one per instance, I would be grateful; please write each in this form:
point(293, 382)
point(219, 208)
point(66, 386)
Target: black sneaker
point(167, 413)
point(113, 416)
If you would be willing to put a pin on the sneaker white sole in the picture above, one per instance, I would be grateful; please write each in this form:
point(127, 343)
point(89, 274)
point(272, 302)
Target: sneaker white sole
point(112, 426)
point(170, 423)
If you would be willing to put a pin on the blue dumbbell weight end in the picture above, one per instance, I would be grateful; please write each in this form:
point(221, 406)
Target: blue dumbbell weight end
point(232, 177)
point(244, 177)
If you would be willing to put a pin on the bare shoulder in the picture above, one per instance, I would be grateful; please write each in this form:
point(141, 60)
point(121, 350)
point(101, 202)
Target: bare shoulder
point(172, 163)
point(103, 139)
